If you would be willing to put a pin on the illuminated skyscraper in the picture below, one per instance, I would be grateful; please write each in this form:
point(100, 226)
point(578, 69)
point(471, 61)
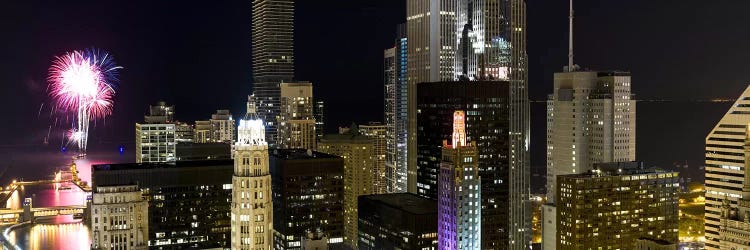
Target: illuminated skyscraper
point(252, 208)
point(494, 45)
point(222, 126)
point(377, 133)
point(459, 192)
point(725, 166)
point(296, 119)
point(155, 139)
point(273, 58)
point(320, 125)
point(396, 115)
point(734, 229)
point(358, 152)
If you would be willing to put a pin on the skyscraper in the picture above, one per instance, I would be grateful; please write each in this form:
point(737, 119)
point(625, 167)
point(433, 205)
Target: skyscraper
point(377, 133)
point(320, 125)
point(459, 192)
point(725, 166)
point(273, 58)
point(488, 117)
point(252, 209)
point(296, 119)
point(396, 113)
point(734, 232)
point(358, 152)
point(614, 205)
point(222, 126)
point(495, 44)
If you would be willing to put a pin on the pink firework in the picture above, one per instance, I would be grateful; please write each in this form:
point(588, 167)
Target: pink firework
point(83, 82)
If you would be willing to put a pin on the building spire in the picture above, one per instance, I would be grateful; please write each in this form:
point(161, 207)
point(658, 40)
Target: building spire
point(571, 67)
point(459, 129)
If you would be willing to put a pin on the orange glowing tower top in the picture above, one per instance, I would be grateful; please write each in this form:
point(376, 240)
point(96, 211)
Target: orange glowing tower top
point(459, 129)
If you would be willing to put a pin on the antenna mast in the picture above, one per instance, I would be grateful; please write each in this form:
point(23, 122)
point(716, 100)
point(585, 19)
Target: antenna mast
point(570, 39)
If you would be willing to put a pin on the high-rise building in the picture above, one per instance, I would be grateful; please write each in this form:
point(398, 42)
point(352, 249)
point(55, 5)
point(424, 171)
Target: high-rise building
point(396, 113)
point(252, 208)
point(725, 166)
point(184, 132)
point(358, 152)
point(296, 119)
point(189, 201)
point(202, 132)
point(377, 132)
point(308, 194)
point(490, 37)
point(459, 191)
point(273, 58)
point(222, 126)
point(397, 221)
point(155, 139)
point(320, 125)
point(119, 218)
point(488, 117)
point(614, 205)
point(590, 119)
point(734, 229)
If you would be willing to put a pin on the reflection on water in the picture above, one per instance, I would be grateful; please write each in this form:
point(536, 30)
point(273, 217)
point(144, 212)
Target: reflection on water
point(61, 232)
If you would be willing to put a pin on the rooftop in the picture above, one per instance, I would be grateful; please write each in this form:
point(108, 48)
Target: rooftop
point(299, 154)
point(152, 165)
point(408, 202)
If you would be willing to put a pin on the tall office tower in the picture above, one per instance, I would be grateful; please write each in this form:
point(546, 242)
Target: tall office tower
point(155, 139)
point(273, 58)
point(459, 192)
point(614, 205)
point(222, 126)
point(734, 232)
point(189, 201)
point(308, 194)
point(725, 166)
point(397, 221)
point(358, 152)
point(590, 119)
point(252, 209)
point(296, 119)
point(119, 218)
point(320, 125)
point(396, 116)
point(488, 117)
point(377, 132)
point(433, 54)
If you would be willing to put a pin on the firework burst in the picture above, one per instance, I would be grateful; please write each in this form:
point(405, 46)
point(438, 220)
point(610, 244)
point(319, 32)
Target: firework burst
point(83, 82)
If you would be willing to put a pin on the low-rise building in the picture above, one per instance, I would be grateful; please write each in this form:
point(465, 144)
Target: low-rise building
point(119, 218)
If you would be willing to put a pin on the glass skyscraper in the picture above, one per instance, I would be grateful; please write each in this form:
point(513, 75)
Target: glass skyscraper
point(273, 58)
point(396, 116)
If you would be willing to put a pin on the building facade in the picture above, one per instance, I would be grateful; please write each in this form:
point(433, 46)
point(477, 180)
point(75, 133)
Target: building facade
point(397, 221)
point(396, 113)
point(377, 133)
point(725, 166)
point(590, 119)
point(119, 218)
point(296, 118)
point(358, 152)
point(222, 126)
point(155, 143)
point(459, 192)
point(273, 58)
point(488, 117)
point(308, 190)
point(252, 208)
point(614, 205)
point(320, 125)
point(734, 230)
point(189, 201)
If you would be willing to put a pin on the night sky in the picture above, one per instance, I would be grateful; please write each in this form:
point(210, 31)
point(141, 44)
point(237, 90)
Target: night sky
point(197, 54)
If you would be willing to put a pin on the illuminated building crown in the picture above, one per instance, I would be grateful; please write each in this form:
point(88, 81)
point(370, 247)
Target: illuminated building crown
point(251, 132)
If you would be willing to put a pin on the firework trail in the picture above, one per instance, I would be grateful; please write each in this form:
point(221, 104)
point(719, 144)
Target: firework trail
point(83, 82)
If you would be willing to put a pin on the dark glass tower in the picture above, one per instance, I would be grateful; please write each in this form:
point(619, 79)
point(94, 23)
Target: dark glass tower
point(273, 58)
point(488, 123)
point(396, 113)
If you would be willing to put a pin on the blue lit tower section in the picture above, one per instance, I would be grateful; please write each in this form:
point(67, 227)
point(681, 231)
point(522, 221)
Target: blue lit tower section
point(459, 192)
point(396, 113)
